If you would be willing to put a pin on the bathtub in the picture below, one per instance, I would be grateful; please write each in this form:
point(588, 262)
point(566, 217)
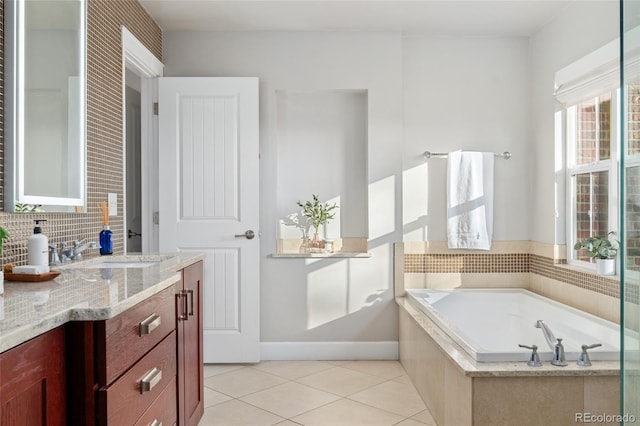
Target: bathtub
point(490, 323)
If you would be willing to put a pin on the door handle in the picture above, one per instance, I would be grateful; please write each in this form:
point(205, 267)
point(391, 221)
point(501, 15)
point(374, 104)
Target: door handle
point(249, 235)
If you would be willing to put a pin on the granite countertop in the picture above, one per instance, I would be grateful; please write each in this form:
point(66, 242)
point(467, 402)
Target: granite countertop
point(84, 292)
point(471, 368)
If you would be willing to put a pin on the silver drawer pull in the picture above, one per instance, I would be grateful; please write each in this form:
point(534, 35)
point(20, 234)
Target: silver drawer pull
point(149, 324)
point(155, 423)
point(150, 379)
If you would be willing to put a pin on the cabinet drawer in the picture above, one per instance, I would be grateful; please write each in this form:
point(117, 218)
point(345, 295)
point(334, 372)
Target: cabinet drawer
point(164, 409)
point(125, 400)
point(128, 336)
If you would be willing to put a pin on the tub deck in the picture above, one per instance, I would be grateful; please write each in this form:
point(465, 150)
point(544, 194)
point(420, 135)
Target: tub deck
point(490, 324)
point(460, 391)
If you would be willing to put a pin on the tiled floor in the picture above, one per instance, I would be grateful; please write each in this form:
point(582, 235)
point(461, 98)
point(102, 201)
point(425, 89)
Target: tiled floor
point(313, 393)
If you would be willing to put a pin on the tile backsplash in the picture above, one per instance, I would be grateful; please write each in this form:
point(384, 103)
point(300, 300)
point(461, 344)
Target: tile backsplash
point(105, 173)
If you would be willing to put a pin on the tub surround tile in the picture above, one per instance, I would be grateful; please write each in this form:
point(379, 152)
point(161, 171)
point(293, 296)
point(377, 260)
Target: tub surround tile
point(457, 399)
point(601, 305)
point(498, 401)
point(602, 395)
point(428, 265)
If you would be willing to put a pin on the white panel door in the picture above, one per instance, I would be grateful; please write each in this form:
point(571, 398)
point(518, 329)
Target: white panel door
point(208, 156)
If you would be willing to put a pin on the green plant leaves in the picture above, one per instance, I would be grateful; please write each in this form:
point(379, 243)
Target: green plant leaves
point(317, 212)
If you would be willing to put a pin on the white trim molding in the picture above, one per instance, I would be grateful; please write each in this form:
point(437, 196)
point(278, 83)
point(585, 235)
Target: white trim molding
point(325, 351)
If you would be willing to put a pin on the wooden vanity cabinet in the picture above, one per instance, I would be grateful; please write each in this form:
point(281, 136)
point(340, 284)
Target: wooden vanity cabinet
point(190, 346)
point(32, 382)
point(143, 366)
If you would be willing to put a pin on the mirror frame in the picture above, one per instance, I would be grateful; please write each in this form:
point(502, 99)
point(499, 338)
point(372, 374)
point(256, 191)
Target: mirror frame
point(14, 158)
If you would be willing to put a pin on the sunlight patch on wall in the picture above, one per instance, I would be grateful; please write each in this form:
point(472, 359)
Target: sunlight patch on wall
point(327, 294)
point(382, 201)
point(415, 202)
point(369, 280)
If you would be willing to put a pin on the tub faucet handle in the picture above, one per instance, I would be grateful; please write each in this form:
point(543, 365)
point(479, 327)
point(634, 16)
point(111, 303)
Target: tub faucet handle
point(559, 360)
point(583, 359)
point(534, 359)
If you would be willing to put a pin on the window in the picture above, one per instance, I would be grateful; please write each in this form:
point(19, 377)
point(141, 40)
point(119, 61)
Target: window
point(591, 142)
point(632, 176)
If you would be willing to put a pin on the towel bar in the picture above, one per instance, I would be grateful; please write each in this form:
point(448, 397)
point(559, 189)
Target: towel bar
point(428, 154)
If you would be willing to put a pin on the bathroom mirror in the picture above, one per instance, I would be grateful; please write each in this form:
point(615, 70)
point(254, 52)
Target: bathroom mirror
point(45, 105)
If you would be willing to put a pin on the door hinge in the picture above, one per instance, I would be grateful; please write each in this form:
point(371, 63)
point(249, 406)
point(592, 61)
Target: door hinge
point(156, 218)
point(155, 108)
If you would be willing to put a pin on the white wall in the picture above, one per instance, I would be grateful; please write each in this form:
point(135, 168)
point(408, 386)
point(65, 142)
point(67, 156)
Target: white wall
point(444, 94)
point(470, 94)
point(329, 299)
point(582, 28)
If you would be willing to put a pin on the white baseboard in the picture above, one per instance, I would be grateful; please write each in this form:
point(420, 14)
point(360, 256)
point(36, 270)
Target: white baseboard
point(318, 351)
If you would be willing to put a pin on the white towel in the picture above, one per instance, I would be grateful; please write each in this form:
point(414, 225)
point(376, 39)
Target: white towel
point(470, 200)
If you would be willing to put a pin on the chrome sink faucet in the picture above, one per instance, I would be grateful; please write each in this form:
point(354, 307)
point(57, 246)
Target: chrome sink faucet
point(79, 247)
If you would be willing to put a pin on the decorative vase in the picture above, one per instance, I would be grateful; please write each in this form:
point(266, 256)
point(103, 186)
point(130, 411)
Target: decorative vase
point(314, 245)
point(606, 266)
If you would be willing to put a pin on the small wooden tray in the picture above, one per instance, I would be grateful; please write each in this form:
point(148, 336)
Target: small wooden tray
point(9, 276)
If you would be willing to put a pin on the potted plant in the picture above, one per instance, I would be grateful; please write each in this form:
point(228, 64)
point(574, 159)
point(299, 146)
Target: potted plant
point(318, 214)
point(603, 250)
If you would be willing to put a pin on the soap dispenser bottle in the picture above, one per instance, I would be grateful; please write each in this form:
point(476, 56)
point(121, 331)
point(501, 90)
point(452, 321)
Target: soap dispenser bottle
point(38, 246)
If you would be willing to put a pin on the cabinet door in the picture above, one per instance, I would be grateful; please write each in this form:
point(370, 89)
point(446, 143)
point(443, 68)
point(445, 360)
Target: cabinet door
point(32, 382)
point(190, 360)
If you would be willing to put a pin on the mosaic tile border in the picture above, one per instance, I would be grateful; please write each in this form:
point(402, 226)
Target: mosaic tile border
point(474, 263)
point(466, 263)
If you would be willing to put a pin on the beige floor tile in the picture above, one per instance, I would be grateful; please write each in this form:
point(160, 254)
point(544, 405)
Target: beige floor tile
point(287, 423)
point(345, 412)
point(398, 398)
point(212, 397)
point(213, 369)
point(338, 362)
point(290, 399)
point(424, 417)
point(410, 422)
point(292, 370)
point(237, 413)
point(403, 379)
point(341, 381)
point(242, 382)
point(386, 369)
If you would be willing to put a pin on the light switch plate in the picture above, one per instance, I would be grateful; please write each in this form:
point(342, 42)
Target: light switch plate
point(112, 199)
